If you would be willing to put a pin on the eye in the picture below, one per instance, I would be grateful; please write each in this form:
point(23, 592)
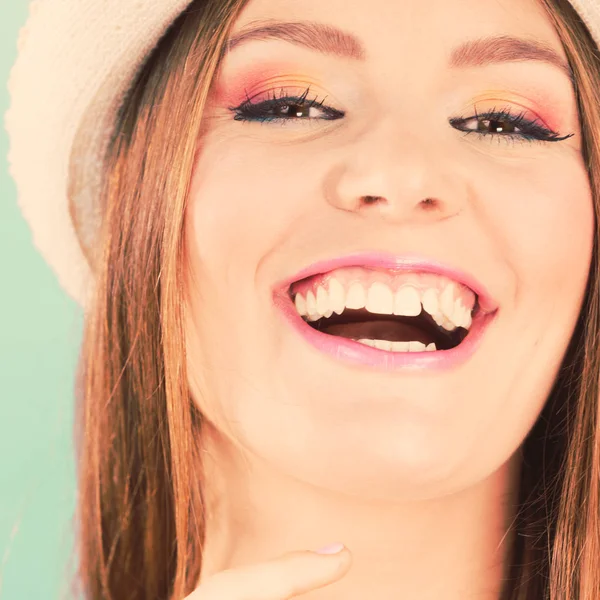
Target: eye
point(504, 123)
point(286, 108)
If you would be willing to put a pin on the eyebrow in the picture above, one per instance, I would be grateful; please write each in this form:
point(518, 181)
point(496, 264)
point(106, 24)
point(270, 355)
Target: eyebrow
point(504, 48)
point(328, 39)
point(315, 36)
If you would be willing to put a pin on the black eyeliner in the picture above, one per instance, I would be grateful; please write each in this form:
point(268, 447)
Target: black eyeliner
point(531, 130)
point(260, 111)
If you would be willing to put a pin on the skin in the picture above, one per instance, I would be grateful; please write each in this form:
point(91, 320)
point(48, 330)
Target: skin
point(413, 472)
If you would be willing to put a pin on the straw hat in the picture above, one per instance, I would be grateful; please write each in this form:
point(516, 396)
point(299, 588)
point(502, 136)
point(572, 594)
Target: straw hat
point(76, 59)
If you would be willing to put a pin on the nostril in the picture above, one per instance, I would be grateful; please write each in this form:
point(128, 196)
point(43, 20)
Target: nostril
point(429, 202)
point(371, 199)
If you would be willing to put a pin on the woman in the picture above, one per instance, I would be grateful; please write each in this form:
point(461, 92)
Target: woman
point(345, 289)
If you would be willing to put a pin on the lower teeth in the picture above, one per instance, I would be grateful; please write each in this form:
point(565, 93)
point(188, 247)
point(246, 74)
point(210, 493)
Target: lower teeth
point(398, 346)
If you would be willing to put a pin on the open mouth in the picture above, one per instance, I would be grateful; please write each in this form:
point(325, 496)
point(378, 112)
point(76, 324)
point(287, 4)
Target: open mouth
point(394, 333)
point(419, 313)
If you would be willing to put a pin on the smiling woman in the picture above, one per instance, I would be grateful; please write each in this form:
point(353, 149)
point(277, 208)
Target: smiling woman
point(339, 266)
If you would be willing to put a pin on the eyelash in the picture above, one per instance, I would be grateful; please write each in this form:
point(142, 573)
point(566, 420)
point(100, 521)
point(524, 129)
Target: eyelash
point(530, 130)
point(259, 111)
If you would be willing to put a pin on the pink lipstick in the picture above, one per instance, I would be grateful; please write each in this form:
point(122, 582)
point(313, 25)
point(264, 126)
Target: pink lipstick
point(359, 354)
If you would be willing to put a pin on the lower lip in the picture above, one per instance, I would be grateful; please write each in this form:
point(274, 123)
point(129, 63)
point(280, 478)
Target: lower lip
point(361, 355)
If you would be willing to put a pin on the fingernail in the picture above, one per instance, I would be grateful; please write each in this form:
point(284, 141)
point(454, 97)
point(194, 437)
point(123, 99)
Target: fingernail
point(330, 549)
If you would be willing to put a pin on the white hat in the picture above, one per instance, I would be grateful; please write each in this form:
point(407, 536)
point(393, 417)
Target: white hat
point(76, 60)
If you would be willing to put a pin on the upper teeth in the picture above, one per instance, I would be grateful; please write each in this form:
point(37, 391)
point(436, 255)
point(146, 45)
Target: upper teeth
point(446, 306)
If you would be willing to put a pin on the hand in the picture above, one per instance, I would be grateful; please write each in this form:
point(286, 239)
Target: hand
point(283, 578)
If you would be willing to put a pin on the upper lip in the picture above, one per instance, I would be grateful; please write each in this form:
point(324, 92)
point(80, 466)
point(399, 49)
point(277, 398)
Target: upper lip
point(405, 262)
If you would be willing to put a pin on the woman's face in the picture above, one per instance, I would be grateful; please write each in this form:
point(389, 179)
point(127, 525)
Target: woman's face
point(349, 137)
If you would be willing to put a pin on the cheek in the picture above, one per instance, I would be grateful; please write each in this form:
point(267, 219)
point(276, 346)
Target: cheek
point(543, 214)
point(544, 217)
point(244, 203)
point(541, 221)
point(245, 195)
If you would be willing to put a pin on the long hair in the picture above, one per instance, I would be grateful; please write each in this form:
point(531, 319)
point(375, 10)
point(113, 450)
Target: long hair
point(140, 514)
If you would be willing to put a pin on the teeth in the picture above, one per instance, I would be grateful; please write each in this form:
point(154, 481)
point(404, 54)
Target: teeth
point(431, 301)
point(300, 303)
point(407, 302)
point(380, 299)
point(447, 300)
point(439, 318)
point(453, 313)
point(336, 296)
point(448, 325)
point(323, 302)
point(357, 298)
point(383, 345)
point(432, 305)
point(311, 307)
point(468, 319)
point(446, 308)
point(398, 346)
point(416, 347)
point(460, 314)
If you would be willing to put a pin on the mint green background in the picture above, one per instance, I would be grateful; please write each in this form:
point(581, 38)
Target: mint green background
point(40, 331)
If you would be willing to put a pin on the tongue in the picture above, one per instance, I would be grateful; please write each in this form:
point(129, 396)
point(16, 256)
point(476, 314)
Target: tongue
point(392, 330)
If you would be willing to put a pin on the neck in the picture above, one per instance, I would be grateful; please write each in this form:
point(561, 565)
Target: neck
point(453, 547)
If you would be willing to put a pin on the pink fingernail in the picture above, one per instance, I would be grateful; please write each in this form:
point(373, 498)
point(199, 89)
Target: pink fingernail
point(331, 549)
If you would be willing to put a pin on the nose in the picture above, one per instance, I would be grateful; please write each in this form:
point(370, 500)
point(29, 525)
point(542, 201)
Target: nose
point(397, 176)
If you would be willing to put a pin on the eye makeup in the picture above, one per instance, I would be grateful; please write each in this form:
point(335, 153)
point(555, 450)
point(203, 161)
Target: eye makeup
point(280, 92)
point(285, 107)
point(261, 79)
point(542, 113)
point(507, 115)
point(507, 124)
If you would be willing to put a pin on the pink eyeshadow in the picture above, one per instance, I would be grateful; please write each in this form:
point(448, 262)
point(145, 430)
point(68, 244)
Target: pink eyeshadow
point(233, 90)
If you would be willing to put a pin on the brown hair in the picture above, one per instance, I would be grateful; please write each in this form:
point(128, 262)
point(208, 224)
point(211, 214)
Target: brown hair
point(140, 509)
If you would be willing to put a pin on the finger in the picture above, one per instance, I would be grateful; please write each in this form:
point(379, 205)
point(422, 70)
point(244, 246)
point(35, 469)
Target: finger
point(282, 578)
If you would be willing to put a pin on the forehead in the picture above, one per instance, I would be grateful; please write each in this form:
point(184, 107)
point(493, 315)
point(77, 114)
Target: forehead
point(425, 26)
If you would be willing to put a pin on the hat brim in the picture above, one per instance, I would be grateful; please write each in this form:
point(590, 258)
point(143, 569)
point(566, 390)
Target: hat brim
point(53, 90)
